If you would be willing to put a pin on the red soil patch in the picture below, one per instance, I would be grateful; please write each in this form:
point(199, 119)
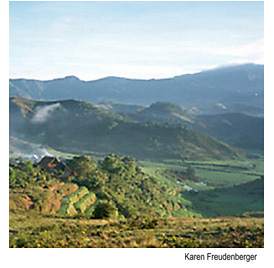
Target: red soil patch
point(55, 196)
point(21, 201)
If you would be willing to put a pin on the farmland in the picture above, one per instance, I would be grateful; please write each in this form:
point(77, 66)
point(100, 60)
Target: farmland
point(215, 173)
point(219, 188)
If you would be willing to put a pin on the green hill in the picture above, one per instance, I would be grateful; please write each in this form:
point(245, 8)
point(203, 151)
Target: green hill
point(243, 199)
point(77, 127)
point(116, 181)
point(130, 191)
point(114, 203)
point(237, 129)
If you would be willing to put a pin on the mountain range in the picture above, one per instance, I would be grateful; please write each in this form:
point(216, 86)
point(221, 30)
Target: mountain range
point(228, 89)
point(197, 115)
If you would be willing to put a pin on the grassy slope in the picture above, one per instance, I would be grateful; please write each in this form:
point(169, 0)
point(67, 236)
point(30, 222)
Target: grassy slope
point(34, 230)
point(236, 200)
point(237, 129)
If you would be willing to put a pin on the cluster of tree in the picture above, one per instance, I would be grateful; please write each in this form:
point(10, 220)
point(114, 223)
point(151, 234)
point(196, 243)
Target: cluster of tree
point(188, 175)
point(25, 173)
point(118, 182)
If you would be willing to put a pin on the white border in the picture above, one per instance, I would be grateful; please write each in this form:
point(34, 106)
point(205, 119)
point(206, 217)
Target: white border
point(134, 257)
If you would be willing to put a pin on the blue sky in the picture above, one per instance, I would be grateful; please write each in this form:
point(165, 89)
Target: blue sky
point(131, 39)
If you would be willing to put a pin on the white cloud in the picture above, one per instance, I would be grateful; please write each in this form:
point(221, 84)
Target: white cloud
point(42, 114)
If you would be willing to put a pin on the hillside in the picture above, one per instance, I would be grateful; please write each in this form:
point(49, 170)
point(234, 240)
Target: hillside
point(76, 127)
point(115, 181)
point(164, 111)
point(241, 85)
point(237, 129)
point(131, 190)
point(33, 230)
point(114, 203)
point(237, 200)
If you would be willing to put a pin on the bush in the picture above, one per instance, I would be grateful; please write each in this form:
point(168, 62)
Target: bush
point(82, 165)
point(105, 210)
point(92, 181)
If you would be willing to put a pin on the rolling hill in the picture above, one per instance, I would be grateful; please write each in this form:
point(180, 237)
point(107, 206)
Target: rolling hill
point(77, 127)
point(238, 129)
point(236, 200)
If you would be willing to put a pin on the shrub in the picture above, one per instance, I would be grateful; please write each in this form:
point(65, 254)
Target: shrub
point(82, 165)
point(105, 210)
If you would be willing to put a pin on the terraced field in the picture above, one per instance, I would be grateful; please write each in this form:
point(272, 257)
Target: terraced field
point(65, 199)
point(77, 202)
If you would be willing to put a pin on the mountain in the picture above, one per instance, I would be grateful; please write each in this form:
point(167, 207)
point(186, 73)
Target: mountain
point(162, 109)
point(77, 127)
point(234, 85)
point(235, 128)
point(220, 108)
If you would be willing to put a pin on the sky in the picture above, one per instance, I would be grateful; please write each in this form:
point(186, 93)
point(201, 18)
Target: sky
point(141, 40)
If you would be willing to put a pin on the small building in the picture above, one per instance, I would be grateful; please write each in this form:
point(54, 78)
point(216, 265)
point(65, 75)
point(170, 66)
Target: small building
point(50, 163)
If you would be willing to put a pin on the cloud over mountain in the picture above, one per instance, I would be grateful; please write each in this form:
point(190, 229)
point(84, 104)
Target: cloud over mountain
point(42, 114)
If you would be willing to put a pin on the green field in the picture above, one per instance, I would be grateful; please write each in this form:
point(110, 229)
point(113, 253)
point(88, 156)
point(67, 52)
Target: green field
point(225, 188)
point(217, 174)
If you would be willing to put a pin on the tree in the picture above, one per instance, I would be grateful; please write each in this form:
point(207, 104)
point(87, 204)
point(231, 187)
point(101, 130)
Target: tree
point(93, 181)
point(12, 179)
point(113, 164)
point(82, 165)
point(105, 210)
point(28, 168)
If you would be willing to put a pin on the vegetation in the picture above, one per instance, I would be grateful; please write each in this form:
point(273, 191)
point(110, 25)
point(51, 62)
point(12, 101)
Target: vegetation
point(105, 210)
point(115, 183)
point(114, 203)
point(28, 230)
point(93, 129)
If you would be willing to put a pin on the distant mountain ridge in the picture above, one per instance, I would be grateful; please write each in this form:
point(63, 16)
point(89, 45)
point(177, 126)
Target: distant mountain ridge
point(241, 85)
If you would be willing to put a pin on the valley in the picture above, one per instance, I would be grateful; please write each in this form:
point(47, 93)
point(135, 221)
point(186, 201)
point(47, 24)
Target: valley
point(120, 163)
